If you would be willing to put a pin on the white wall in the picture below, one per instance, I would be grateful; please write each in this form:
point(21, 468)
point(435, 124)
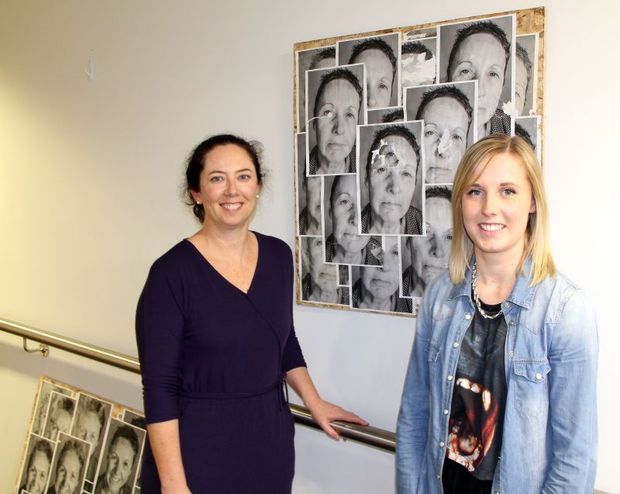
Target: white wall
point(90, 175)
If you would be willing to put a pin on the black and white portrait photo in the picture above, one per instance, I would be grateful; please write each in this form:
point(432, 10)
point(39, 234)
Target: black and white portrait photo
point(419, 62)
point(314, 58)
point(449, 115)
point(137, 420)
point(69, 468)
point(42, 404)
point(335, 105)
point(120, 458)
point(525, 74)
point(343, 243)
point(381, 57)
point(385, 115)
point(377, 288)
point(319, 281)
point(390, 179)
point(90, 423)
point(308, 193)
point(529, 129)
point(482, 50)
point(426, 257)
point(37, 465)
point(59, 415)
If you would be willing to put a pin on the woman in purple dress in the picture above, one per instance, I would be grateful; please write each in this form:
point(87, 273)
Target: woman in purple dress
point(216, 342)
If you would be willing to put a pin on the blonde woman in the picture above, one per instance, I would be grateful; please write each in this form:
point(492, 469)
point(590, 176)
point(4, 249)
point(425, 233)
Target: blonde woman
point(500, 394)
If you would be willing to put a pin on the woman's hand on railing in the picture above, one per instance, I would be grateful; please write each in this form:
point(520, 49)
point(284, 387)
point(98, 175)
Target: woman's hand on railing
point(325, 412)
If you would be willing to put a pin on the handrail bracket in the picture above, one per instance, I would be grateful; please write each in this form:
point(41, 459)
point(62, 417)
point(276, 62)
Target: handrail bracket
point(44, 350)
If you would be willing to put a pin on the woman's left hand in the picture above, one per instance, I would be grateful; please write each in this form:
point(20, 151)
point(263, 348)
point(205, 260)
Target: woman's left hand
point(325, 412)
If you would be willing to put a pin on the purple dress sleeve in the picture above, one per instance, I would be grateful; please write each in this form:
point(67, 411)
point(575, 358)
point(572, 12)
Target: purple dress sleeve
point(292, 357)
point(159, 332)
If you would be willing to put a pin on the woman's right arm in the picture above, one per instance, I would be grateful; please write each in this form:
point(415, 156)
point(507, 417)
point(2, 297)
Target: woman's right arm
point(164, 439)
point(412, 426)
point(159, 333)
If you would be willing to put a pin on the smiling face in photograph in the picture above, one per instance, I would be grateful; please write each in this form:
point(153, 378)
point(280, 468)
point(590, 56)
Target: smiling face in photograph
point(392, 181)
point(430, 253)
point(228, 187)
point(481, 56)
point(379, 77)
point(497, 205)
point(382, 282)
point(68, 472)
point(38, 469)
point(445, 138)
point(337, 113)
point(344, 214)
point(120, 462)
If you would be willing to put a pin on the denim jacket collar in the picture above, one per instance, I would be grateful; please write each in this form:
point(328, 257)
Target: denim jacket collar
point(521, 295)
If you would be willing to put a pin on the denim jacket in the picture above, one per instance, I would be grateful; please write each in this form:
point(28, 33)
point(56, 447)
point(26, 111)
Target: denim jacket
point(550, 430)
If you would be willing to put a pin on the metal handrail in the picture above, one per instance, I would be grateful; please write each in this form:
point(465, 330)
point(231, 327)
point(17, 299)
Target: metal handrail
point(370, 436)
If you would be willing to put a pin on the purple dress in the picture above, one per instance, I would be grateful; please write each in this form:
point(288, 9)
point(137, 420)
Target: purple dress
point(214, 358)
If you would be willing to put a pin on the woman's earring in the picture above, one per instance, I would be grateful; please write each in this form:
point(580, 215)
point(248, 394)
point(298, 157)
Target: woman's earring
point(257, 196)
point(198, 203)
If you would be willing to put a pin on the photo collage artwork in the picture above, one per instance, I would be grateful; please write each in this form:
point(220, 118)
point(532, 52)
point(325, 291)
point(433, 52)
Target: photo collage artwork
point(381, 123)
point(80, 443)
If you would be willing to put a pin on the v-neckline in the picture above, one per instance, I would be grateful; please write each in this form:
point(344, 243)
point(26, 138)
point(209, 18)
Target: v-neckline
point(222, 277)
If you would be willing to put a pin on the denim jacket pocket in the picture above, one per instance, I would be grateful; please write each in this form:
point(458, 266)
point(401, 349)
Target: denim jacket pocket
point(533, 370)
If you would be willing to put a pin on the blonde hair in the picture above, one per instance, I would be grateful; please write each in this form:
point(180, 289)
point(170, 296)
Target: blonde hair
point(537, 231)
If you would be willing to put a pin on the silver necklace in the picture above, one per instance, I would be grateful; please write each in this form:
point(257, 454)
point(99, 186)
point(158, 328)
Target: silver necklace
point(483, 313)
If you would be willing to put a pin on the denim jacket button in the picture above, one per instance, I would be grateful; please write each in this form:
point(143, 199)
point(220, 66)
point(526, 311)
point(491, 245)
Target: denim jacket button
point(455, 344)
point(538, 376)
point(450, 378)
point(446, 411)
point(468, 316)
point(441, 444)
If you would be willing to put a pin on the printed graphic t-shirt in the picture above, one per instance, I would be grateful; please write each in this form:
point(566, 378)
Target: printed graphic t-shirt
point(479, 396)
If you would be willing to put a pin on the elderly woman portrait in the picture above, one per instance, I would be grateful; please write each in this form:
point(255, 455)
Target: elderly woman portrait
point(418, 62)
point(337, 107)
point(59, 415)
point(481, 51)
point(379, 56)
point(315, 58)
point(344, 244)
point(69, 466)
point(37, 467)
point(429, 253)
point(377, 288)
point(523, 75)
point(309, 194)
point(391, 179)
point(319, 280)
point(89, 425)
point(447, 113)
point(120, 458)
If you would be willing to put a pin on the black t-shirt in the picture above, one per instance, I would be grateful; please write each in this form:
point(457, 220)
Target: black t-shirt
point(479, 396)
